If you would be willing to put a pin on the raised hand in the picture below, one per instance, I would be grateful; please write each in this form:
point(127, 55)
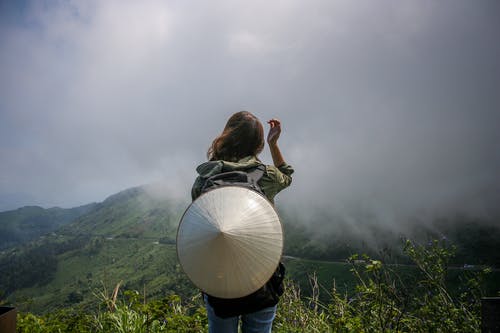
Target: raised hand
point(272, 140)
point(274, 131)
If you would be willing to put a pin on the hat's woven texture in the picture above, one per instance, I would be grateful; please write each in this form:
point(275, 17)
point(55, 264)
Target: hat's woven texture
point(230, 241)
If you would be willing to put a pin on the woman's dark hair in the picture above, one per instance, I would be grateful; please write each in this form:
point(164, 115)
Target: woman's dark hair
point(243, 136)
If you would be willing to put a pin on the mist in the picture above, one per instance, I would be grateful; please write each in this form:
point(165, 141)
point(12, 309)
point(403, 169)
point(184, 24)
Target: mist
point(390, 110)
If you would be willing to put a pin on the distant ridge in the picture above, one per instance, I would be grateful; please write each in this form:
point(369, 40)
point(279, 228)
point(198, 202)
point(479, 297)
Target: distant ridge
point(131, 213)
point(27, 223)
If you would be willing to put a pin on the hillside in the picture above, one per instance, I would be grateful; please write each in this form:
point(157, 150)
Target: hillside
point(477, 241)
point(132, 213)
point(28, 223)
point(130, 237)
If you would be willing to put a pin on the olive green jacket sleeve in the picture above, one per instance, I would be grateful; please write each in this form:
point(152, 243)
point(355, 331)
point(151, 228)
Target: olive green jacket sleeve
point(276, 179)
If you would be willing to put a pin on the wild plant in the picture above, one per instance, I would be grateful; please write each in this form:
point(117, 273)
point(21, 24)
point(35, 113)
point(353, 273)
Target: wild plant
point(387, 298)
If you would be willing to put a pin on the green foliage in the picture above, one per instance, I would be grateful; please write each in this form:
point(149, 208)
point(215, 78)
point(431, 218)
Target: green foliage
point(296, 314)
point(63, 320)
point(385, 300)
point(435, 307)
point(131, 313)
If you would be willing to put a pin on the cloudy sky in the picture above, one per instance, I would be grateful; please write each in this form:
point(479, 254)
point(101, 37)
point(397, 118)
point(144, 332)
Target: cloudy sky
point(389, 105)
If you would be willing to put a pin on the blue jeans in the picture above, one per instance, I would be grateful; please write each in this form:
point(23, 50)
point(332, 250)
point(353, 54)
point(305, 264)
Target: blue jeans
point(256, 322)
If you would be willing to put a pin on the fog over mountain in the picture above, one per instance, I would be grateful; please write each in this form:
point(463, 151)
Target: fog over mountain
point(390, 109)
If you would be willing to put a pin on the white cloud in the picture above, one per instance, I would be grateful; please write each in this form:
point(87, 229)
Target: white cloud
point(375, 98)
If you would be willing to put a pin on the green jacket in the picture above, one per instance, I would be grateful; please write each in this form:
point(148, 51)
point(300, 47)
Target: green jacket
point(273, 181)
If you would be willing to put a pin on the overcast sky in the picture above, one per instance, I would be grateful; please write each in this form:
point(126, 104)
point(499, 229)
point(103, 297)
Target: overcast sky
point(391, 105)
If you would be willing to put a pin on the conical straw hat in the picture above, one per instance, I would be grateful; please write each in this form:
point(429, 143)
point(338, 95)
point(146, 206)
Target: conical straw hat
point(230, 241)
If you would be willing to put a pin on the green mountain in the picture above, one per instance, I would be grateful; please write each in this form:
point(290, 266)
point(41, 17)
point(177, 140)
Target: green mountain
point(330, 238)
point(133, 213)
point(28, 223)
point(130, 238)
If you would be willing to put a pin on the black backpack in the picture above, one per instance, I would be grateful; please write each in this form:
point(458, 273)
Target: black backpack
point(248, 179)
point(268, 295)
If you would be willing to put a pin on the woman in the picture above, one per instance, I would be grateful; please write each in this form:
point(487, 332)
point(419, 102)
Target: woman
point(237, 148)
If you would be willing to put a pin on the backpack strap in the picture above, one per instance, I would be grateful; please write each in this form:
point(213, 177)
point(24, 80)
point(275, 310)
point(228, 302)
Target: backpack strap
point(248, 178)
point(256, 174)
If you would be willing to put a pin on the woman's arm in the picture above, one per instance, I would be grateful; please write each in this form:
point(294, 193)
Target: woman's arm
point(272, 141)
